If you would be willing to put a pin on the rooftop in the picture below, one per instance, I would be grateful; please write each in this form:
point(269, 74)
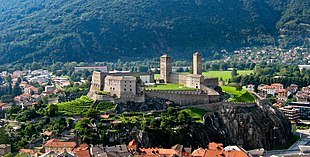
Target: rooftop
point(59, 144)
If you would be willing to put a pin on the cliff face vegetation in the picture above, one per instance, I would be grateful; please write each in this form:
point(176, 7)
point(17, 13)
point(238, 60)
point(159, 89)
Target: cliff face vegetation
point(252, 127)
point(82, 30)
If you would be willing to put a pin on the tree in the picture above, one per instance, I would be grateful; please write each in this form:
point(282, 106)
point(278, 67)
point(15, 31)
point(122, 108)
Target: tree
point(21, 144)
point(181, 117)
point(7, 98)
point(214, 66)
point(8, 155)
point(16, 90)
point(22, 155)
point(191, 69)
point(52, 110)
point(234, 73)
point(5, 138)
point(163, 124)
point(35, 65)
point(14, 109)
point(223, 66)
point(92, 113)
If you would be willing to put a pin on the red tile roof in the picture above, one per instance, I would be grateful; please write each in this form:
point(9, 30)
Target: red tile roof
point(105, 116)
point(282, 91)
point(217, 149)
point(29, 151)
point(83, 146)
point(83, 153)
point(56, 143)
point(199, 152)
point(132, 145)
point(277, 84)
point(48, 133)
point(159, 151)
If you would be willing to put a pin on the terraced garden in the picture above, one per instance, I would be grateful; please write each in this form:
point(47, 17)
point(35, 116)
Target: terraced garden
point(81, 105)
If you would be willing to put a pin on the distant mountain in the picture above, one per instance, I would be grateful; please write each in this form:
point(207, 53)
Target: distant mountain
point(106, 30)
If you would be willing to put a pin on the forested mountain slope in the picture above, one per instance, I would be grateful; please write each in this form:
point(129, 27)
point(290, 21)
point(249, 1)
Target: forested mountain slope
point(106, 30)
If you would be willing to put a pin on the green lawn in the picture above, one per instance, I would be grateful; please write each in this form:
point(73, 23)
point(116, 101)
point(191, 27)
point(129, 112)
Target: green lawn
point(195, 113)
point(169, 87)
point(224, 74)
point(156, 76)
point(239, 96)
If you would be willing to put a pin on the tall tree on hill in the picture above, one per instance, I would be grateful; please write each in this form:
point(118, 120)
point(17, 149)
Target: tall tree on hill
point(16, 89)
point(234, 73)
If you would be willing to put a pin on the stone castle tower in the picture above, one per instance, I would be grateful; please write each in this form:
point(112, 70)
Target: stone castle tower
point(165, 68)
point(197, 63)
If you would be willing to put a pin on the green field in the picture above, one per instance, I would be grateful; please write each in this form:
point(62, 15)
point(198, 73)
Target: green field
point(239, 96)
point(196, 113)
point(220, 74)
point(169, 87)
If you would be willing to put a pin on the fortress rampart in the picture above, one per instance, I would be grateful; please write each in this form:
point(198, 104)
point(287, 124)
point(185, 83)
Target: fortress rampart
point(180, 97)
point(211, 81)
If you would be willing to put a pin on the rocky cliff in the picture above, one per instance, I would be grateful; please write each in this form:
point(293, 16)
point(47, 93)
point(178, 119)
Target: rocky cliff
point(251, 126)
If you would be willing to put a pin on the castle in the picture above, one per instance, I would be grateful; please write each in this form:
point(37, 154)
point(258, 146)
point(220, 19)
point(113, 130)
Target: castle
point(195, 80)
point(130, 86)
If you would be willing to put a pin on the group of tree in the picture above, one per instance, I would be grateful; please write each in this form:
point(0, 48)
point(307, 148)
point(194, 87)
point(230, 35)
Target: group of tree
point(274, 73)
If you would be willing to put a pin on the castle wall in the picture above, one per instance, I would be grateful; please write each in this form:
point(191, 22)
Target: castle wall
point(108, 98)
point(136, 98)
point(99, 97)
point(214, 98)
point(181, 97)
point(178, 78)
point(211, 82)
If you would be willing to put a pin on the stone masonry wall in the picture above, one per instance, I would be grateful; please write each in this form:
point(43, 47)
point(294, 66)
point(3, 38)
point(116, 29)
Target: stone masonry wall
point(211, 82)
point(181, 97)
point(178, 79)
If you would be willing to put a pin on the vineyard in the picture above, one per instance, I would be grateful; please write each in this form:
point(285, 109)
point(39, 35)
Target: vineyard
point(81, 105)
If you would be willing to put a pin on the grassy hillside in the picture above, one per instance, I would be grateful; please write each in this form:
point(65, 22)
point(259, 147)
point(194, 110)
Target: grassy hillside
point(82, 30)
point(238, 95)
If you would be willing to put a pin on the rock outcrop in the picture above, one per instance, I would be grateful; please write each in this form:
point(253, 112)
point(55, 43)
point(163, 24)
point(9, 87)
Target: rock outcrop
point(157, 104)
point(249, 125)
